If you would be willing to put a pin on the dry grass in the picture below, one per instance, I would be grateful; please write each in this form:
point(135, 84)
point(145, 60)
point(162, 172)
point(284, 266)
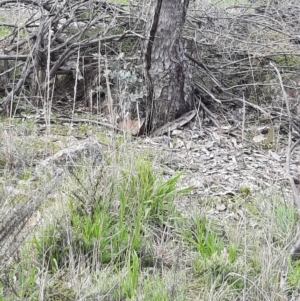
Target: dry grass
point(170, 257)
point(116, 232)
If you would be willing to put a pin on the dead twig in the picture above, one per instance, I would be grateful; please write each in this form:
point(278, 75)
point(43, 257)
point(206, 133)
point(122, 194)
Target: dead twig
point(208, 112)
point(289, 146)
point(81, 120)
point(294, 253)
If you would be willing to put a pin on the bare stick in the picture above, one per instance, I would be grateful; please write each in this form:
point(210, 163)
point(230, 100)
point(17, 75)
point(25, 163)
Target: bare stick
point(289, 147)
point(294, 254)
point(208, 112)
point(12, 57)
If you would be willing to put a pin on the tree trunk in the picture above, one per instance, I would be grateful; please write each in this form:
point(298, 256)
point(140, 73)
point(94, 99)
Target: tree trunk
point(169, 83)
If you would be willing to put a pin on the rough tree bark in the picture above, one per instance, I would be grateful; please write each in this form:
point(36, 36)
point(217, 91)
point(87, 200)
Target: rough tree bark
point(169, 83)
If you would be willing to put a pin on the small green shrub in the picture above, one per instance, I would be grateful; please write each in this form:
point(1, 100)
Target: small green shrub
point(294, 274)
point(204, 239)
point(245, 190)
point(151, 197)
point(129, 283)
point(287, 60)
point(21, 280)
point(26, 174)
point(215, 262)
point(4, 31)
point(102, 233)
point(51, 248)
point(285, 218)
point(154, 290)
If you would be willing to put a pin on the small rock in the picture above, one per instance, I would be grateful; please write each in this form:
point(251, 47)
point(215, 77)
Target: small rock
point(220, 207)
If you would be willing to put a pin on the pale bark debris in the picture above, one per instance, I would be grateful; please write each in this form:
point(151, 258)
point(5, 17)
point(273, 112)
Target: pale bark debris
point(68, 158)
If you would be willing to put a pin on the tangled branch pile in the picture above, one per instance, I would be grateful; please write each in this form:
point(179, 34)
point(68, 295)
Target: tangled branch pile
point(235, 48)
point(61, 52)
point(59, 44)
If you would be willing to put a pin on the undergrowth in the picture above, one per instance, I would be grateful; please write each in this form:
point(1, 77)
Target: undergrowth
point(117, 235)
point(115, 232)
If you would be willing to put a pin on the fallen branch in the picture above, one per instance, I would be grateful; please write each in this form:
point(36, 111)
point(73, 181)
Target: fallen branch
point(12, 57)
point(81, 120)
